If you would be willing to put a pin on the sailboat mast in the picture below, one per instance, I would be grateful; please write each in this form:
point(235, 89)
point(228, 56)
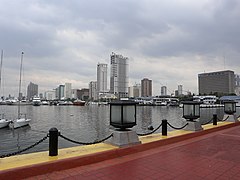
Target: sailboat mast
point(1, 71)
point(20, 84)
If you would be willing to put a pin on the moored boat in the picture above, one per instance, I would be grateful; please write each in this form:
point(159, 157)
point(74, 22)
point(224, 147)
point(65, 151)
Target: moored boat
point(19, 121)
point(79, 102)
point(36, 101)
point(4, 122)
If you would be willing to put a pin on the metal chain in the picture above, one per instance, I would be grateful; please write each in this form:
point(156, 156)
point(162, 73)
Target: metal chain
point(20, 151)
point(207, 122)
point(225, 119)
point(177, 127)
point(139, 134)
point(83, 143)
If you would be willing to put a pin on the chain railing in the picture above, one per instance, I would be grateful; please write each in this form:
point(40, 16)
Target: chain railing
point(207, 122)
point(25, 149)
point(54, 134)
point(177, 128)
point(223, 119)
point(84, 143)
point(142, 134)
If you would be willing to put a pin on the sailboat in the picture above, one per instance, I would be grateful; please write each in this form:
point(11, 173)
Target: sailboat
point(3, 122)
point(22, 118)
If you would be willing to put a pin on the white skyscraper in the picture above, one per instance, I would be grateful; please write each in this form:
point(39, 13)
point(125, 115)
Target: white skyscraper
point(68, 90)
point(119, 75)
point(102, 78)
point(93, 95)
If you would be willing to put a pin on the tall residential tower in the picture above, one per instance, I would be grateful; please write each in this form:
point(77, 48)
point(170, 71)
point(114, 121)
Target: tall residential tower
point(119, 75)
point(146, 87)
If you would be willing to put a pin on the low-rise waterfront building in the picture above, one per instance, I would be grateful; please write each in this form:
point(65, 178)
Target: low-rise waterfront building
point(220, 82)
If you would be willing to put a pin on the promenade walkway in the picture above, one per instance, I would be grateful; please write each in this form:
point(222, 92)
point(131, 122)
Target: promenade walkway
point(214, 155)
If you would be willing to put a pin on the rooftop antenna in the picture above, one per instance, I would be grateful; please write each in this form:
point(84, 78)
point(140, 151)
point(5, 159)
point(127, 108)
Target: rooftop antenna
point(224, 62)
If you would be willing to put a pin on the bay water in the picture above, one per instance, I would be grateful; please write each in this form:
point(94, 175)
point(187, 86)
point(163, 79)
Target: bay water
point(83, 123)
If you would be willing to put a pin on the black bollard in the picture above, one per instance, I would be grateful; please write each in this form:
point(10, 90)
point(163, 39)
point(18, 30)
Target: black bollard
point(53, 142)
point(214, 119)
point(164, 127)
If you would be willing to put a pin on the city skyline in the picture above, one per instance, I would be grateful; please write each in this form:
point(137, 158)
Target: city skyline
point(170, 42)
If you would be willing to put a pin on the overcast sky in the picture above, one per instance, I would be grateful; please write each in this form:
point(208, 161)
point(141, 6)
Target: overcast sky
point(168, 41)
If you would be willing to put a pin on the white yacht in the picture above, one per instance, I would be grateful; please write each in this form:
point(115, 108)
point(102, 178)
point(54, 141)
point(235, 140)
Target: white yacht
point(36, 101)
point(20, 122)
point(4, 122)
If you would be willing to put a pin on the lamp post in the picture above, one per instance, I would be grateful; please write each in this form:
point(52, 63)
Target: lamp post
point(191, 112)
point(229, 110)
point(123, 117)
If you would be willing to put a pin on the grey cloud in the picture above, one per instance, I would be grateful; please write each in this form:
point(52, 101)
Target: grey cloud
point(73, 36)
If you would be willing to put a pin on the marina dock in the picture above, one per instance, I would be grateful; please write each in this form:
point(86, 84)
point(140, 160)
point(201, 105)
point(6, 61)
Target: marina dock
point(211, 153)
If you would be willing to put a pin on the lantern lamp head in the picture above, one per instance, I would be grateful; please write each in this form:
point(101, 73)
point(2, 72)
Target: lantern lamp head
point(123, 114)
point(191, 110)
point(229, 107)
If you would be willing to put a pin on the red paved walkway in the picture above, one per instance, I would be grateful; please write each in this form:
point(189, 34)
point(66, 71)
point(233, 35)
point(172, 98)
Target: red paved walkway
point(211, 156)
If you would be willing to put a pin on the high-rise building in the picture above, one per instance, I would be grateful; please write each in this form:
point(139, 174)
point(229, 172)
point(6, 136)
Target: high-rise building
point(163, 90)
point(237, 83)
point(68, 91)
point(146, 87)
point(32, 90)
point(119, 75)
point(237, 80)
point(84, 94)
point(93, 92)
point(134, 91)
point(180, 90)
point(102, 78)
point(75, 93)
point(60, 92)
point(222, 82)
point(50, 95)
